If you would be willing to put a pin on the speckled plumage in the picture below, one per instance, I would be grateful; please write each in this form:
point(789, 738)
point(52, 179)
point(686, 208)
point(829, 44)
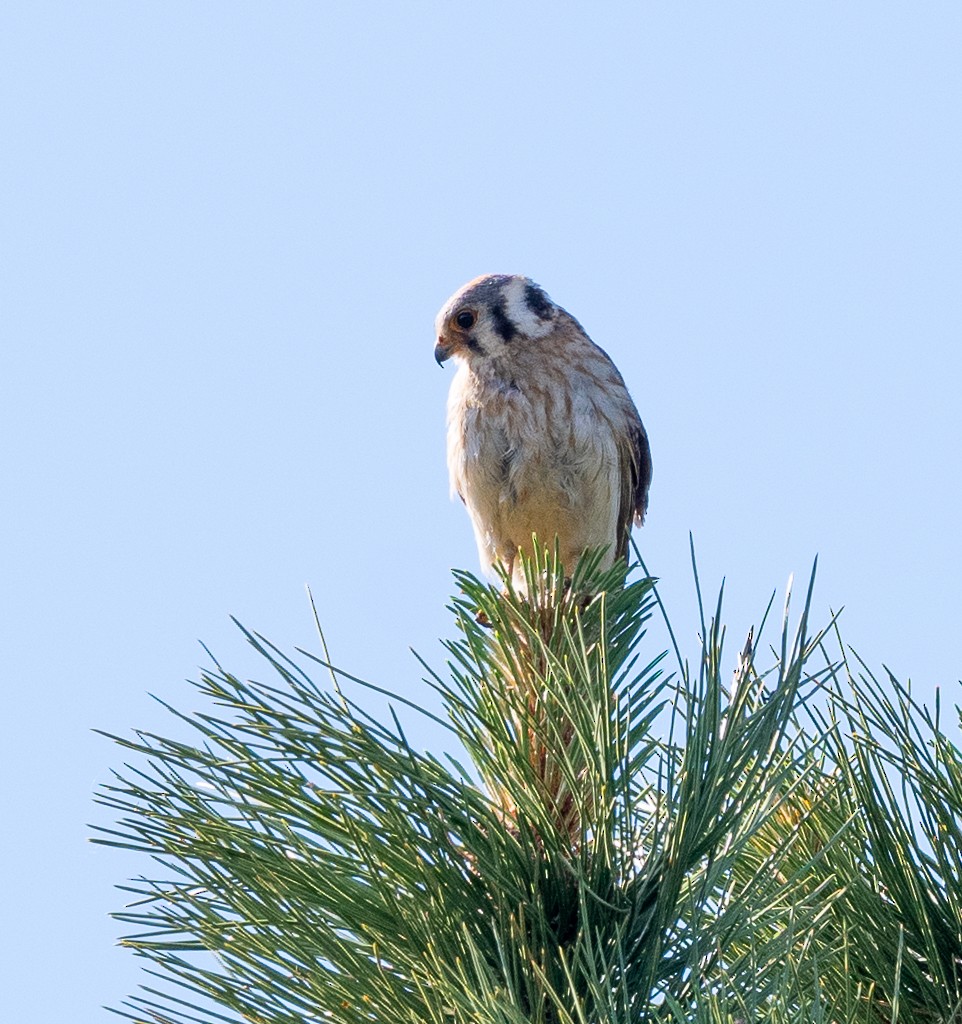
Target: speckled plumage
point(543, 436)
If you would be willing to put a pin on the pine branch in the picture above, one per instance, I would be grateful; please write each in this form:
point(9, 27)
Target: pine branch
point(574, 859)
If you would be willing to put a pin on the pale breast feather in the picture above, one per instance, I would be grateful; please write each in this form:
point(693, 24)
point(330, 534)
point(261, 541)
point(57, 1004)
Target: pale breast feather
point(456, 441)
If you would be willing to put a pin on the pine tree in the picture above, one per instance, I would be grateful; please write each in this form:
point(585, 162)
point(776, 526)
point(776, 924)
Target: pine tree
point(608, 842)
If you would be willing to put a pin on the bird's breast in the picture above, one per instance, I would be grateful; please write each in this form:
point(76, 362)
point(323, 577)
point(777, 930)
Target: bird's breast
point(514, 441)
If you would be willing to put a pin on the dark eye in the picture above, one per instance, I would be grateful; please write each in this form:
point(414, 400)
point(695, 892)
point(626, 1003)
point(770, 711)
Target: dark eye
point(465, 319)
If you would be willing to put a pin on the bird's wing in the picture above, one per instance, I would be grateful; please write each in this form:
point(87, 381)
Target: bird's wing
point(634, 455)
point(635, 458)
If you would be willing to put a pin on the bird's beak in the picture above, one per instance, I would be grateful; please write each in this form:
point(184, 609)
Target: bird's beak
point(443, 350)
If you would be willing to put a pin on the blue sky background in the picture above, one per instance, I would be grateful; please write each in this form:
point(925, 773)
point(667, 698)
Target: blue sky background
point(224, 233)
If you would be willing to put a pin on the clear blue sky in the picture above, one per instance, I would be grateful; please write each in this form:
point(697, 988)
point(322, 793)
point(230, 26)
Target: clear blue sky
point(225, 229)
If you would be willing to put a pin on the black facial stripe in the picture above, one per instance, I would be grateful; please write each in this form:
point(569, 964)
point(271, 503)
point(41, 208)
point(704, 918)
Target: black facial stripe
point(475, 345)
point(500, 321)
point(538, 302)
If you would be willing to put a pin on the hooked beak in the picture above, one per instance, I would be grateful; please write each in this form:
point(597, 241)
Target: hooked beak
point(443, 350)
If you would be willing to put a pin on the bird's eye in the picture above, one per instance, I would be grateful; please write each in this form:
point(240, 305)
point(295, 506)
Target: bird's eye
point(465, 319)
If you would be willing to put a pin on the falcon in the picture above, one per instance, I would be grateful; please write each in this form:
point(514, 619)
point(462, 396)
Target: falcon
point(543, 437)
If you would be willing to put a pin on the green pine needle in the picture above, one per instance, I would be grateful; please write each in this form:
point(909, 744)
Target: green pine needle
point(603, 843)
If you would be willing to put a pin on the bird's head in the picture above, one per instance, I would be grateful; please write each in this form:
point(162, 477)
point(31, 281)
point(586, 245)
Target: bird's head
point(490, 315)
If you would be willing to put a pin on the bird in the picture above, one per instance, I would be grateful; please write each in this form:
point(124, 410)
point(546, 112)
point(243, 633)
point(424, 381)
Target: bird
point(543, 437)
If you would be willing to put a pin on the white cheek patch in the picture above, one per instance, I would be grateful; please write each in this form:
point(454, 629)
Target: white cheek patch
point(520, 313)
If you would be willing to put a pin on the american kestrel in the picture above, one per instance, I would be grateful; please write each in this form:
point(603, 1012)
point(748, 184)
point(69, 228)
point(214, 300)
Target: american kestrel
point(543, 437)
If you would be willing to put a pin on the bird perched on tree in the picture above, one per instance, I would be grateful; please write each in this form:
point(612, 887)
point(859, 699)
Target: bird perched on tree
point(543, 437)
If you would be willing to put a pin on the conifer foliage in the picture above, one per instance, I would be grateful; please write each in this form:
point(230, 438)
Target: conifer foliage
point(605, 841)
